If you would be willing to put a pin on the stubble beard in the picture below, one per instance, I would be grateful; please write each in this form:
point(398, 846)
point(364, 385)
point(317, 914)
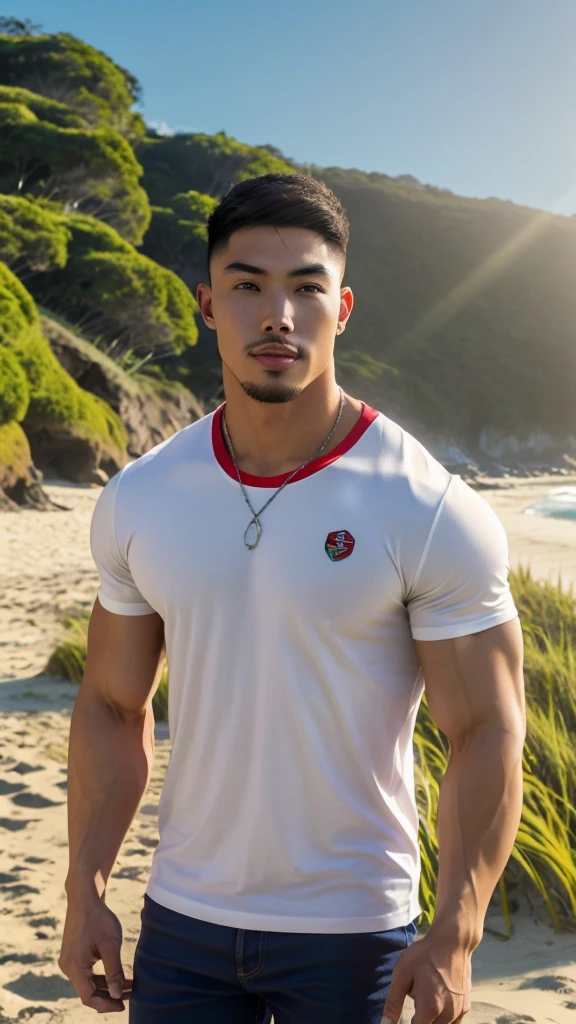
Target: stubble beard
point(272, 393)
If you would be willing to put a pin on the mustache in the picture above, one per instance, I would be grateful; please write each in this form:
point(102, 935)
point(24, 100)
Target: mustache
point(276, 339)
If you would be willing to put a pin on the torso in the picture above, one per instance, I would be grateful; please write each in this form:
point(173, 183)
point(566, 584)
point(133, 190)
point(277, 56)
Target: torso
point(294, 679)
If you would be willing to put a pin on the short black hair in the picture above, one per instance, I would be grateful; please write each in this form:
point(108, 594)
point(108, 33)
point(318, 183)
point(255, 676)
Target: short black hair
point(279, 200)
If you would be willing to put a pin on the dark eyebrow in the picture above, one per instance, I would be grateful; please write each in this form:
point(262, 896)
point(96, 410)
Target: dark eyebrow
point(312, 268)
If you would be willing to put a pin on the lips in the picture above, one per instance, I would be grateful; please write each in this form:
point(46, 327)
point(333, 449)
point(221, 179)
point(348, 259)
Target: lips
point(275, 357)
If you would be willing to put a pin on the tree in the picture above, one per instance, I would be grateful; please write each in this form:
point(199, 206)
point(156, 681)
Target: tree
point(177, 237)
point(14, 390)
point(208, 163)
point(15, 27)
point(93, 171)
point(49, 397)
point(118, 295)
point(32, 239)
point(70, 71)
point(41, 108)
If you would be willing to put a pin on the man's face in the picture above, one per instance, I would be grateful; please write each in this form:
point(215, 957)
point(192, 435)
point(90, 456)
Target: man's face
point(276, 303)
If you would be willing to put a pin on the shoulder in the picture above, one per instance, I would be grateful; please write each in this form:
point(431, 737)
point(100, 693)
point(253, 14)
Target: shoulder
point(407, 467)
point(186, 446)
point(134, 490)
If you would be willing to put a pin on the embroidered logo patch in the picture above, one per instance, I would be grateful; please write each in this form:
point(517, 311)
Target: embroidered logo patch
point(339, 544)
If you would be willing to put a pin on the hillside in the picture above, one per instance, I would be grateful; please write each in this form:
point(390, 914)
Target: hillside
point(463, 326)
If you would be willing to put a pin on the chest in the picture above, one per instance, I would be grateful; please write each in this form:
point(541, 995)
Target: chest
point(324, 549)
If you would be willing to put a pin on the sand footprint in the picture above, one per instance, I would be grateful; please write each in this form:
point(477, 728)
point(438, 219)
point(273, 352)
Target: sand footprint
point(7, 788)
point(13, 892)
point(22, 768)
point(35, 800)
point(550, 983)
point(13, 825)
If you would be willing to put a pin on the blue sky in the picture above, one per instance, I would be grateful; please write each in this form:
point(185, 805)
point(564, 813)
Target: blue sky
point(478, 96)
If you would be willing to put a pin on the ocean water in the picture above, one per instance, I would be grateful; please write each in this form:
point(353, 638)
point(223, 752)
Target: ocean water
point(560, 503)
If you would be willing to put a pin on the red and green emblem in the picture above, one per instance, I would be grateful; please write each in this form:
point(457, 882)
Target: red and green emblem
point(339, 544)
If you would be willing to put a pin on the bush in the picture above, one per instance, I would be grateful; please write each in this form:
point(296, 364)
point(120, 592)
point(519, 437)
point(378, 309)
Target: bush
point(39, 108)
point(212, 163)
point(94, 170)
point(14, 391)
point(99, 91)
point(117, 294)
point(32, 238)
point(54, 397)
point(15, 457)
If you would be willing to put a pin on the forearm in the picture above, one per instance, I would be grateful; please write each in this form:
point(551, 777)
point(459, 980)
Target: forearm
point(110, 760)
point(478, 817)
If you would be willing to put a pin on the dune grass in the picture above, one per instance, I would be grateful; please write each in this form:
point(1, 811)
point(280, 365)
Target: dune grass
point(542, 866)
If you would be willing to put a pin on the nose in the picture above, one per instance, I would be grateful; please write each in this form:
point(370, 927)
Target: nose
point(279, 320)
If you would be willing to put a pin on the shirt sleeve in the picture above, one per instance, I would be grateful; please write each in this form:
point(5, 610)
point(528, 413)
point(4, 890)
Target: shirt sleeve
point(461, 582)
point(117, 593)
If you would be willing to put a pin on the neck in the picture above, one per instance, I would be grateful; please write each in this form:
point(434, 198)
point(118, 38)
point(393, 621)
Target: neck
point(270, 439)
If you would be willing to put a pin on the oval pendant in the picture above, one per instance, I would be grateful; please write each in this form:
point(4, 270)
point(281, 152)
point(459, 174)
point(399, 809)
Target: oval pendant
point(252, 533)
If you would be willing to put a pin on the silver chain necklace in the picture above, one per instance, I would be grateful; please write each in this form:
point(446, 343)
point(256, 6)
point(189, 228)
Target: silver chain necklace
point(255, 525)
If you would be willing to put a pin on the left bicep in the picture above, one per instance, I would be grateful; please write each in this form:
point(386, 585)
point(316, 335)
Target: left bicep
point(475, 680)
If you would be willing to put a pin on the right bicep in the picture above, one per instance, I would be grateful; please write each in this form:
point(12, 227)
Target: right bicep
point(124, 659)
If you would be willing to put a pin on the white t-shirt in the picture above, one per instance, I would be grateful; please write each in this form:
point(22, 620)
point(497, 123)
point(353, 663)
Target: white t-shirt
point(288, 803)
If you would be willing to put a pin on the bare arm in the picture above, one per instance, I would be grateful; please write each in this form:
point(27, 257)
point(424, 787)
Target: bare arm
point(110, 759)
point(475, 690)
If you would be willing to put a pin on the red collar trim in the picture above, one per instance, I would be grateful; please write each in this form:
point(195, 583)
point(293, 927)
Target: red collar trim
point(367, 416)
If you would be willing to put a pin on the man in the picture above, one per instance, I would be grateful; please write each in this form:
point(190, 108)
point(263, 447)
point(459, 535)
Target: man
point(309, 567)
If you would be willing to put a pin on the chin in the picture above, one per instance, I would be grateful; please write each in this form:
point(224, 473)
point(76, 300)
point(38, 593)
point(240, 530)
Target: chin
point(273, 391)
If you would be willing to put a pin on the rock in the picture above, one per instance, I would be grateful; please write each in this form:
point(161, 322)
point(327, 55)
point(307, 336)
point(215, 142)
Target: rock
point(20, 481)
point(151, 410)
point(496, 444)
point(63, 453)
point(99, 477)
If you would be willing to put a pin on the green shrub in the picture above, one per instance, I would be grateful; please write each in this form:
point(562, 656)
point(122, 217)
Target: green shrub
point(117, 294)
point(62, 67)
point(54, 396)
point(15, 457)
point(16, 113)
point(94, 170)
point(32, 238)
point(14, 391)
point(177, 237)
point(39, 108)
point(212, 163)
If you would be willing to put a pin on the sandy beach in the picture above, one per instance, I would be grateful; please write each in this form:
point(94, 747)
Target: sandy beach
point(46, 570)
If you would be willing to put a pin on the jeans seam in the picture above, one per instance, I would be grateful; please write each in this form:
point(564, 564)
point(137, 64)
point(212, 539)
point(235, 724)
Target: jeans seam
point(261, 953)
point(239, 951)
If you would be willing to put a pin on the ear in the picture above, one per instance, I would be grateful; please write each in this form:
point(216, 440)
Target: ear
point(346, 304)
point(204, 300)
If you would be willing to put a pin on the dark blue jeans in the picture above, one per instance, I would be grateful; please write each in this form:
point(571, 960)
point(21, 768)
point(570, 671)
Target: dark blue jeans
point(188, 971)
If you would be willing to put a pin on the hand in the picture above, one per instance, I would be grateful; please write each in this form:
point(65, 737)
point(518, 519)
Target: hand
point(437, 974)
point(91, 933)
